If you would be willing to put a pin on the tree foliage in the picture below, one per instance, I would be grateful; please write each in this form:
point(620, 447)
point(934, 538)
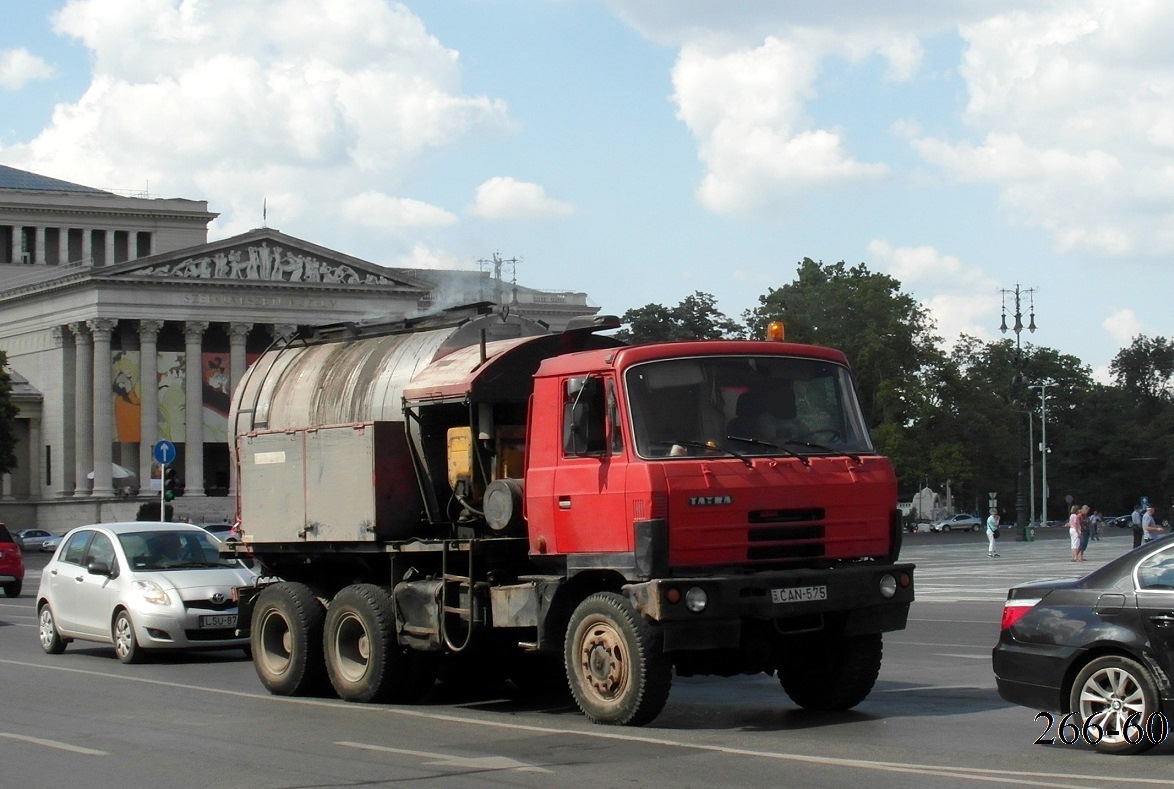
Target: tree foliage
point(8, 461)
point(695, 318)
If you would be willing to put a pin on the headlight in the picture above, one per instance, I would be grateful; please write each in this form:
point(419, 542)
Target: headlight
point(696, 599)
point(888, 586)
point(152, 592)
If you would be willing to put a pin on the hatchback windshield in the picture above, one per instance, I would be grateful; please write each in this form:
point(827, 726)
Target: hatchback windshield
point(167, 550)
point(744, 405)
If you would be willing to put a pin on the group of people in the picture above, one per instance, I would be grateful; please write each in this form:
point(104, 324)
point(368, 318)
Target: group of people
point(1083, 526)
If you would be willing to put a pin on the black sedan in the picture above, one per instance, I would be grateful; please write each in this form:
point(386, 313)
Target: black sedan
point(1099, 647)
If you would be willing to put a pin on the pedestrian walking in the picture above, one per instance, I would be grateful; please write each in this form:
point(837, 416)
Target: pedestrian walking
point(1085, 529)
point(1094, 524)
point(992, 532)
point(1135, 524)
point(1149, 525)
point(1074, 533)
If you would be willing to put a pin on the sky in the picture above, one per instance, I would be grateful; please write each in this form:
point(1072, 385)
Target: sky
point(643, 150)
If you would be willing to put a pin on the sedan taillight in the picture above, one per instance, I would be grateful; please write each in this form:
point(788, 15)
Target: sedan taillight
point(1015, 609)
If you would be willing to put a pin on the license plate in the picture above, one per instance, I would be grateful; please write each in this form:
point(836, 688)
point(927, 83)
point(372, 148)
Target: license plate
point(218, 620)
point(799, 594)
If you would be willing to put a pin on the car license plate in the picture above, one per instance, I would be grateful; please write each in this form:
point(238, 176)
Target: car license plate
point(799, 594)
point(218, 620)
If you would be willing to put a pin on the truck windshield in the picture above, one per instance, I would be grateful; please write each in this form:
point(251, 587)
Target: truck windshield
point(744, 405)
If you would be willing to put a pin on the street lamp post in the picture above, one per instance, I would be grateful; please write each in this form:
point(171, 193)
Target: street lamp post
point(1018, 384)
point(1043, 448)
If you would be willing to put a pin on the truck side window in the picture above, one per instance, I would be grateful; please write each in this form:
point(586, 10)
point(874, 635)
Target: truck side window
point(583, 416)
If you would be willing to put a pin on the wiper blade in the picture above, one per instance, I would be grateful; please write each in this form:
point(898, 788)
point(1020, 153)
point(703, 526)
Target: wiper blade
point(827, 449)
point(716, 448)
point(761, 443)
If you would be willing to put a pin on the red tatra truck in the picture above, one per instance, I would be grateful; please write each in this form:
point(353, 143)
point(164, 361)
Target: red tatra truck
point(489, 494)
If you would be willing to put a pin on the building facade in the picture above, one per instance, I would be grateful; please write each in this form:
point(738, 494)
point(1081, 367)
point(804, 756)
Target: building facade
point(123, 326)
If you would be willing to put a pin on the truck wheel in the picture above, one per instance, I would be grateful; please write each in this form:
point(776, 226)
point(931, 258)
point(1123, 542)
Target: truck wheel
point(363, 659)
point(831, 673)
point(616, 670)
point(286, 637)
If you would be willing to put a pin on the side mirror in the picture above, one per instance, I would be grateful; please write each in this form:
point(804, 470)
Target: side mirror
point(100, 568)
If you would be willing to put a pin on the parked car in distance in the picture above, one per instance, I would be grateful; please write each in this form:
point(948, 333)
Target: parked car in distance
point(225, 532)
point(959, 522)
point(1101, 647)
point(1120, 521)
point(11, 564)
point(50, 545)
point(34, 539)
point(140, 586)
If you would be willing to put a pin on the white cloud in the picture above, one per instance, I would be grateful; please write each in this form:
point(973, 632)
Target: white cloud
point(745, 107)
point(502, 197)
point(306, 102)
point(18, 67)
point(428, 257)
point(961, 299)
point(393, 214)
point(1123, 325)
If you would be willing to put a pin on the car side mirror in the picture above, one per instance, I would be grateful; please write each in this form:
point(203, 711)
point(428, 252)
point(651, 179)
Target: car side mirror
point(100, 568)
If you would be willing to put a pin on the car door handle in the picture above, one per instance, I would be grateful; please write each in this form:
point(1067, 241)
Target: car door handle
point(79, 578)
point(1163, 620)
point(564, 502)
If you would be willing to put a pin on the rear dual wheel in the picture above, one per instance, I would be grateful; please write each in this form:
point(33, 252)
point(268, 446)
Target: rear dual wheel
point(364, 660)
point(831, 673)
point(286, 639)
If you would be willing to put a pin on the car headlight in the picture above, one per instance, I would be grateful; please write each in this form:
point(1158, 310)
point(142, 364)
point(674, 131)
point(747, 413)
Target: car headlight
point(152, 592)
point(888, 586)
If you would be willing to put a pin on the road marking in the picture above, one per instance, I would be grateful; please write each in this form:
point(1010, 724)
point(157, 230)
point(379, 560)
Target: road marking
point(460, 762)
point(941, 771)
point(61, 746)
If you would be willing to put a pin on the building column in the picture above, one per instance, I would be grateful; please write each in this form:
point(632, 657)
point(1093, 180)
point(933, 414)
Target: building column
point(109, 261)
point(148, 401)
point(238, 333)
point(193, 477)
point(103, 407)
point(39, 245)
point(63, 246)
point(83, 408)
point(36, 461)
point(87, 246)
point(63, 460)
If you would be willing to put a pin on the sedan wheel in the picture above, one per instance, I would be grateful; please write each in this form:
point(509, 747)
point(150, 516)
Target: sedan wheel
point(1118, 696)
point(51, 640)
point(126, 646)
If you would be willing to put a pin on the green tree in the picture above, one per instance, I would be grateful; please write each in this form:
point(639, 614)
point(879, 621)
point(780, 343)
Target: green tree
point(7, 419)
point(1146, 368)
point(695, 318)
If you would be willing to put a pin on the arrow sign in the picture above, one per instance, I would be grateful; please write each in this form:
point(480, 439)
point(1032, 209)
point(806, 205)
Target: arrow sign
point(164, 452)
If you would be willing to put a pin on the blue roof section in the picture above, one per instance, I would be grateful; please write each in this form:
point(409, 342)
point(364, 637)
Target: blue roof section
point(12, 178)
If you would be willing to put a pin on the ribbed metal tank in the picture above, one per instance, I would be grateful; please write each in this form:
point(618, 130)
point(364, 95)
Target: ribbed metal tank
point(344, 381)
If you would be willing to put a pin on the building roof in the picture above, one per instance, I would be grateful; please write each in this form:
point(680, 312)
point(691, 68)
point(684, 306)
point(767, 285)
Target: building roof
point(12, 178)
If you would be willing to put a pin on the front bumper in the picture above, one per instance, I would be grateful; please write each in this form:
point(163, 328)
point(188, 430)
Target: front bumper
point(851, 595)
point(169, 628)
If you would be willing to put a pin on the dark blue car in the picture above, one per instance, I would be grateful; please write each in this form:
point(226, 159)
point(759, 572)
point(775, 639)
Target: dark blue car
point(1100, 647)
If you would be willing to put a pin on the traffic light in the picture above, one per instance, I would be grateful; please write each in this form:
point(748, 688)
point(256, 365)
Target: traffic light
point(169, 484)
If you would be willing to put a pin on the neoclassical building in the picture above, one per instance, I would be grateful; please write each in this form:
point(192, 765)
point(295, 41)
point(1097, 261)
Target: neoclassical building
point(121, 321)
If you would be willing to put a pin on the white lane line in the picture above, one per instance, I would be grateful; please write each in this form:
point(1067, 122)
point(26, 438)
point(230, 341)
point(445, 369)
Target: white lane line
point(967, 773)
point(61, 746)
point(464, 763)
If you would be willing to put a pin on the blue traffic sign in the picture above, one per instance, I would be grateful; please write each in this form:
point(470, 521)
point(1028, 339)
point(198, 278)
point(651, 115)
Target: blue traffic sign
point(164, 452)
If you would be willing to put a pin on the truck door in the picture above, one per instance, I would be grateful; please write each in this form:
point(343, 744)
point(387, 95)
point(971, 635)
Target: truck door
point(589, 508)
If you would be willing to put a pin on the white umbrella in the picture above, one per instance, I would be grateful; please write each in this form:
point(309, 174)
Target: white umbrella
point(117, 472)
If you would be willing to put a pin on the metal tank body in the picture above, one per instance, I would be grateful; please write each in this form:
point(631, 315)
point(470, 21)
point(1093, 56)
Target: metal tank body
point(320, 449)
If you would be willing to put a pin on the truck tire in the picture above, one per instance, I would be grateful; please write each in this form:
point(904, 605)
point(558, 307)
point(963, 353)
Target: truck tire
point(286, 639)
point(615, 668)
point(826, 674)
point(363, 658)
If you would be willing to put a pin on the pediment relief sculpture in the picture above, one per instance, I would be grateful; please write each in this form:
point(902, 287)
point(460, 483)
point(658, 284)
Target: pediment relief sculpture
point(266, 263)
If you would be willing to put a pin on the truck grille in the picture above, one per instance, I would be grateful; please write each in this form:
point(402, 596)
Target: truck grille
point(800, 526)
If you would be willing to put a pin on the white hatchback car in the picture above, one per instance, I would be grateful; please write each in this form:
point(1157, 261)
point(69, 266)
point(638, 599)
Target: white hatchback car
point(140, 586)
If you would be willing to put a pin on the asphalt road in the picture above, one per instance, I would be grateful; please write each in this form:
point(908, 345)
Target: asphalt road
point(203, 720)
